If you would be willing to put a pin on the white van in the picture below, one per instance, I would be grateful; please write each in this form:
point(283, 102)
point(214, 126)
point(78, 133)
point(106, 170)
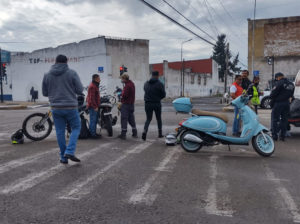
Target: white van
point(297, 86)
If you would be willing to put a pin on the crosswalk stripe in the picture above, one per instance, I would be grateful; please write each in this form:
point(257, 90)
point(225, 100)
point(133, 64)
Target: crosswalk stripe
point(143, 194)
point(23, 161)
point(212, 207)
point(83, 187)
point(33, 179)
point(284, 193)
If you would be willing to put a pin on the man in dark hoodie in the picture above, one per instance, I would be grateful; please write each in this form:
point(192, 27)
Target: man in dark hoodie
point(154, 93)
point(127, 108)
point(61, 85)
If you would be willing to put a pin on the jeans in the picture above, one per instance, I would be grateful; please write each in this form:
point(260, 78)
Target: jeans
point(93, 121)
point(127, 115)
point(61, 118)
point(149, 108)
point(236, 121)
point(279, 118)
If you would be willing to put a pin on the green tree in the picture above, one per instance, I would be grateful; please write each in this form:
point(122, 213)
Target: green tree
point(219, 55)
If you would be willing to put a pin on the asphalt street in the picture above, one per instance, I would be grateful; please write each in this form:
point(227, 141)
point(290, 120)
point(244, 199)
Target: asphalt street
point(134, 181)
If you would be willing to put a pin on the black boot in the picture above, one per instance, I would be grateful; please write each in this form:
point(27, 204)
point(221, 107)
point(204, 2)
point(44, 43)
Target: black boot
point(122, 135)
point(160, 135)
point(134, 133)
point(144, 136)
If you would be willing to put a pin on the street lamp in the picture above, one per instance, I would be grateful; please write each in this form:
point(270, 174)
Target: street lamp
point(182, 72)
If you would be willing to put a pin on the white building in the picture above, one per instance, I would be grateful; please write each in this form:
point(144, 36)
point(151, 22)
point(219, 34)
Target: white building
point(201, 77)
point(100, 55)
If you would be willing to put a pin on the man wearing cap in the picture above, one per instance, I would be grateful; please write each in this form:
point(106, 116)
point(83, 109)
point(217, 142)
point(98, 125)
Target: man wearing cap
point(127, 108)
point(154, 93)
point(280, 95)
point(61, 85)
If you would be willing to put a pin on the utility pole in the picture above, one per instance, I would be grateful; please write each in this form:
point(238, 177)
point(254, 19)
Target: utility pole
point(226, 69)
point(182, 72)
point(253, 30)
point(1, 81)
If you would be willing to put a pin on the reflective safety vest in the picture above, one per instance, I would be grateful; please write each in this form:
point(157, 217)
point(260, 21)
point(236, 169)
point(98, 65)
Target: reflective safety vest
point(255, 98)
point(239, 89)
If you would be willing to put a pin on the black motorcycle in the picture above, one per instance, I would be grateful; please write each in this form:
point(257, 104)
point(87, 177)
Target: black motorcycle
point(105, 119)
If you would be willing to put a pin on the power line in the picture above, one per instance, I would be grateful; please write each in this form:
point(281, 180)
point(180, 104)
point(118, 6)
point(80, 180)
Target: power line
point(204, 17)
point(211, 18)
point(189, 20)
point(174, 21)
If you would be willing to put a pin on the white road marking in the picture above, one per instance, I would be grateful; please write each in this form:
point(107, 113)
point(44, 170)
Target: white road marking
point(23, 161)
point(212, 206)
point(83, 187)
point(155, 182)
point(284, 193)
point(33, 179)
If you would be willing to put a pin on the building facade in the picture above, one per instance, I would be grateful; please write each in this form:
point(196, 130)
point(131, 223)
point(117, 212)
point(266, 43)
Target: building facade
point(277, 39)
point(200, 78)
point(101, 55)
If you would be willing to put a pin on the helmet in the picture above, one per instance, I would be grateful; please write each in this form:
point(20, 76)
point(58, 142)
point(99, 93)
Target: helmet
point(17, 137)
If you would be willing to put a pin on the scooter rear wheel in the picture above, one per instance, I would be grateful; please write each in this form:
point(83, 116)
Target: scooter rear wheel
point(188, 145)
point(261, 147)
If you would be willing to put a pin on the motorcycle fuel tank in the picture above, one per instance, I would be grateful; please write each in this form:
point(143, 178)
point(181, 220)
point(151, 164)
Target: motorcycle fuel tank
point(206, 124)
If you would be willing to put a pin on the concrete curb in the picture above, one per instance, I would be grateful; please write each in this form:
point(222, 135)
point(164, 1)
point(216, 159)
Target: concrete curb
point(13, 107)
point(228, 109)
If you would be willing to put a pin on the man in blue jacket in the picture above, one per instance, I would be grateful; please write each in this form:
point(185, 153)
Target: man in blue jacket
point(62, 85)
point(154, 93)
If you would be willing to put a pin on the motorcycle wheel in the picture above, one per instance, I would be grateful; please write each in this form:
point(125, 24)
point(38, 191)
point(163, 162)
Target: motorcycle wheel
point(188, 145)
point(108, 126)
point(263, 148)
point(33, 130)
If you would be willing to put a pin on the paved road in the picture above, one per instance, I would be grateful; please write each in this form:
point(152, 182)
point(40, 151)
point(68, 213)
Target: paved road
point(146, 182)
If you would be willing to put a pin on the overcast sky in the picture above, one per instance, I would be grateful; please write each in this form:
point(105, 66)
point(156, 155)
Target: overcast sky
point(39, 24)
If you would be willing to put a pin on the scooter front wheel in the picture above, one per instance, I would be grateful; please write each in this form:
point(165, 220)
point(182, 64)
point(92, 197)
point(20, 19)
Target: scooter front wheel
point(263, 144)
point(190, 146)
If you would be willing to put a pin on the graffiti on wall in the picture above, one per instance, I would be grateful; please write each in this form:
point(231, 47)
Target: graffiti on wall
point(51, 60)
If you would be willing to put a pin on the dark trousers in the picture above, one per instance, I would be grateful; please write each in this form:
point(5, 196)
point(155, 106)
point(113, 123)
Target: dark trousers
point(149, 108)
point(279, 118)
point(127, 116)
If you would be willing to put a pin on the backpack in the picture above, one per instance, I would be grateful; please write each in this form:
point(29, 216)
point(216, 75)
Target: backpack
point(84, 131)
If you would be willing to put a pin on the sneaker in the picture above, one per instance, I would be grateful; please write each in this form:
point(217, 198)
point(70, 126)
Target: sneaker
point(63, 161)
point(95, 136)
point(72, 157)
point(282, 139)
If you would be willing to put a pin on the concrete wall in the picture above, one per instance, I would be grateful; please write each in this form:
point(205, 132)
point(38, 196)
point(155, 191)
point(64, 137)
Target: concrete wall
point(133, 54)
point(27, 69)
point(279, 37)
point(195, 84)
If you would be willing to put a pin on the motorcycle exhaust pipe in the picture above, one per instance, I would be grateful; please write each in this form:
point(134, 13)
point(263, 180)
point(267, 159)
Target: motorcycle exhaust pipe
point(192, 138)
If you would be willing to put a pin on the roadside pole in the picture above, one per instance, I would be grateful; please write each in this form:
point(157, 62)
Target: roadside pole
point(226, 70)
point(1, 80)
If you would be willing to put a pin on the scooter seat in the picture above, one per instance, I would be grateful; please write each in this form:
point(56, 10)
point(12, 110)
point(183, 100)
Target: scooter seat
point(208, 113)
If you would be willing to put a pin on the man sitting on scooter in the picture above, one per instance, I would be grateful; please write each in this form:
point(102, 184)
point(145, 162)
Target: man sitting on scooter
point(235, 91)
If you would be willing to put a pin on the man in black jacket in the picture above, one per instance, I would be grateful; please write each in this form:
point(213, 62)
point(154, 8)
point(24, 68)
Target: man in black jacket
point(154, 93)
point(245, 80)
point(281, 95)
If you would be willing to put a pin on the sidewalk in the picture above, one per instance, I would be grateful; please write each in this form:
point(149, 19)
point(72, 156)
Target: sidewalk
point(20, 105)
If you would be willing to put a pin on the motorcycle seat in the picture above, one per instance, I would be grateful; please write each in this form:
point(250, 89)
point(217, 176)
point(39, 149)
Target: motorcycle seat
point(198, 112)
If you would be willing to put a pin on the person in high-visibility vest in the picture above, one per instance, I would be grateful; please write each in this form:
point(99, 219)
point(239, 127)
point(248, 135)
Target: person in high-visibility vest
point(254, 92)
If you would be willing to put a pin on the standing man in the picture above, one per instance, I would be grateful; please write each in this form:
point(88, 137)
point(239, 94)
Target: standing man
point(127, 108)
point(245, 80)
point(254, 92)
point(154, 93)
point(93, 104)
point(61, 85)
point(235, 91)
point(281, 95)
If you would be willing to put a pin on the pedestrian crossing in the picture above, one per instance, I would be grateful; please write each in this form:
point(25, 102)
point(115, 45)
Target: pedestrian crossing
point(150, 187)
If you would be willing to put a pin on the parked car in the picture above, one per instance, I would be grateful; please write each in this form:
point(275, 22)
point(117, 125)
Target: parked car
point(265, 100)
